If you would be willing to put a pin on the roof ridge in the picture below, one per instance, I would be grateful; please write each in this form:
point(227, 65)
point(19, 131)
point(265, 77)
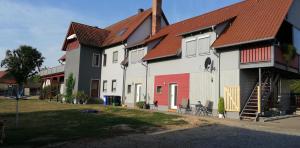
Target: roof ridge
point(125, 19)
point(94, 27)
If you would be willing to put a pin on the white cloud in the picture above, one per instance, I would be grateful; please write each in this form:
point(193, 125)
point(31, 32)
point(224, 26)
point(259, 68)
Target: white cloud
point(42, 27)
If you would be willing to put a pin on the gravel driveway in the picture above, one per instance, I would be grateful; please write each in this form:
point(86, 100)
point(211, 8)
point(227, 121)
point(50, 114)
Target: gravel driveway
point(217, 134)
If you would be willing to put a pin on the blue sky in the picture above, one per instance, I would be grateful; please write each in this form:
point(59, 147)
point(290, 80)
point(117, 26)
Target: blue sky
point(44, 23)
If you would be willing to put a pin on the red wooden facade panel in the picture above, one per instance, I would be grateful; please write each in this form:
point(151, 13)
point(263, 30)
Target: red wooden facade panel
point(182, 81)
point(255, 55)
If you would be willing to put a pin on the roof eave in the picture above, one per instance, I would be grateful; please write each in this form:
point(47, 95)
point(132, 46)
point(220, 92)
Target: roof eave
point(245, 42)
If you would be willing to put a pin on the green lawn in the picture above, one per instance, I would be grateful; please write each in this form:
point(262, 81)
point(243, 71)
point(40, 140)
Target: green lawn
point(43, 123)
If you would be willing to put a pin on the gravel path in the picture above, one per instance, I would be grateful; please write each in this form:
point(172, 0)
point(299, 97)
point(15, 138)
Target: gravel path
point(216, 133)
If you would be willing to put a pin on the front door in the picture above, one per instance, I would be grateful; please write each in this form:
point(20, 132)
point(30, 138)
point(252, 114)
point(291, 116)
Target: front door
point(95, 89)
point(173, 96)
point(138, 92)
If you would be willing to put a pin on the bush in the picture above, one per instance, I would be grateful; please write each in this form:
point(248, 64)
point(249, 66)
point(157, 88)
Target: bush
point(45, 93)
point(140, 104)
point(221, 106)
point(95, 101)
point(81, 97)
point(70, 83)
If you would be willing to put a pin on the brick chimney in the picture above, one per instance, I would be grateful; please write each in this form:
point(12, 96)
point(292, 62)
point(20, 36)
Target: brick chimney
point(156, 15)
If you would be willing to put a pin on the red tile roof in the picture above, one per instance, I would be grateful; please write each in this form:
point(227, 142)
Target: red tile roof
point(116, 33)
point(259, 22)
point(252, 21)
point(5, 79)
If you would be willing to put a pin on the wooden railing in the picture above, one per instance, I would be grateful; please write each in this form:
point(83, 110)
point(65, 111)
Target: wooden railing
point(256, 54)
point(232, 98)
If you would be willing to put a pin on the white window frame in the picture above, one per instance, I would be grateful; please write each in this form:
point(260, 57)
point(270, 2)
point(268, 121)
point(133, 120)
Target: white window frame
point(113, 60)
point(93, 60)
point(140, 57)
point(106, 82)
point(104, 60)
point(186, 52)
point(112, 86)
point(133, 58)
point(198, 44)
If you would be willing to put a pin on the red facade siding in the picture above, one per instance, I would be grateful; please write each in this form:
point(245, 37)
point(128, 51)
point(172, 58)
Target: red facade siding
point(72, 45)
point(183, 82)
point(279, 59)
point(256, 54)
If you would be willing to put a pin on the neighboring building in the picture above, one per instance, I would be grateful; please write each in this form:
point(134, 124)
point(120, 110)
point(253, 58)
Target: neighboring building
point(7, 84)
point(234, 52)
point(223, 53)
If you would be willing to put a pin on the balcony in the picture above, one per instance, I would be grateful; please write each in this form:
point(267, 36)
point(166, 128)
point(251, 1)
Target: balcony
point(267, 56)
point(53, 71)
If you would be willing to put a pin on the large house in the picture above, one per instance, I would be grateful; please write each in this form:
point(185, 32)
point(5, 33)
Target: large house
point(237, 52)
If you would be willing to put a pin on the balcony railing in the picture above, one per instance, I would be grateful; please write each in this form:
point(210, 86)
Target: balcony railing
point(53, 70)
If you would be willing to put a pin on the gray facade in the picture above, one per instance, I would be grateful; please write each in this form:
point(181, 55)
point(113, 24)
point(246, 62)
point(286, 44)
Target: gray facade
point(79, 63)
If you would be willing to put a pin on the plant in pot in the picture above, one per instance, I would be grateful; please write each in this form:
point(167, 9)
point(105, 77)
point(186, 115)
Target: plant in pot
point(221, 107)
point(289, 52)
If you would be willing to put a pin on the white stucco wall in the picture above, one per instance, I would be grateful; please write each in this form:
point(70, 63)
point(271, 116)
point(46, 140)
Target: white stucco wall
point(112, 71)
point(135, 74)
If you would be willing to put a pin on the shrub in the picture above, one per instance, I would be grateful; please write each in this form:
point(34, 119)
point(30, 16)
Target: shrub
point(70, 83)
point(140, 104)
point(95, 101)
point(221, 107)
point(81, 97)
point(45, 93)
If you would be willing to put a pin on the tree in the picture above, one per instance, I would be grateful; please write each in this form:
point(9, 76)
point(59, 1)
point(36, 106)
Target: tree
point(70, 83)
point(22, 63)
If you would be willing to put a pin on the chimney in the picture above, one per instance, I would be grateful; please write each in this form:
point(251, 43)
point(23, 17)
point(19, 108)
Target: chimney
point(156, 15)
point(140, 10)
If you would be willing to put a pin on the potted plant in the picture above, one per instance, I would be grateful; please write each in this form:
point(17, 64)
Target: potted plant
point(221, 107)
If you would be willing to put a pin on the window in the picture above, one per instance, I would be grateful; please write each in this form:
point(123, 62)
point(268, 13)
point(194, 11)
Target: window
point(140, 55)
point(115, 57)
point(96, 60)
point(114, 85)
point(204, 45)
point(159, 89)
point(129, 89)
point(104, 86)
point(191, 48)
point(104, 59)
point(133, 57)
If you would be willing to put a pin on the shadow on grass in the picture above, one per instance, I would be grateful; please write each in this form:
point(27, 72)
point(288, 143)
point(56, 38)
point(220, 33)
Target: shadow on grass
point(47, 127)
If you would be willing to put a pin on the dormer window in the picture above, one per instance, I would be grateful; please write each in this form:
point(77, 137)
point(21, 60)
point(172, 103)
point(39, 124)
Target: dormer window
point(191, 48)
point(204, 44)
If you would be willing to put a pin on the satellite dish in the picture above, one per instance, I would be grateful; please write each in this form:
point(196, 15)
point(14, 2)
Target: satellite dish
point(207, 63)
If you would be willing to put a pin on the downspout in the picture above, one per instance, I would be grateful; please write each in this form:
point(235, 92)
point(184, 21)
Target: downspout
point(124, 77)
point(146, 87)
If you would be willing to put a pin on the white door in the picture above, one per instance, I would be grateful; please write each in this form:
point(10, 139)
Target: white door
point(173, 96)
point(138, 92)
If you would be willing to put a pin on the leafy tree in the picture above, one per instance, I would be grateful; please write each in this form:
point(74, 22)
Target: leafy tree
point(22, 63)
point(288, 52)
point(70, 83)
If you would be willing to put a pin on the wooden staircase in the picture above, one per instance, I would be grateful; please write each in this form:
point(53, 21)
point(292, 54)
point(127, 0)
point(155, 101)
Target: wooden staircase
point(250, 110)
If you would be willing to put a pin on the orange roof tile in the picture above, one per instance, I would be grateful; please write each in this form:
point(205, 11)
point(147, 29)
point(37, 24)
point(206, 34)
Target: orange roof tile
point(116, 33)
point(259, 22)
point(245, 25)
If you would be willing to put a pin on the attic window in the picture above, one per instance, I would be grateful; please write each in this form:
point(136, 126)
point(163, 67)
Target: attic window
point(71, 37)
point(122, 31)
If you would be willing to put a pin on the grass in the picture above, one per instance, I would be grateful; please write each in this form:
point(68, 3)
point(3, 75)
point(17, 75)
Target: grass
point(42, 123)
